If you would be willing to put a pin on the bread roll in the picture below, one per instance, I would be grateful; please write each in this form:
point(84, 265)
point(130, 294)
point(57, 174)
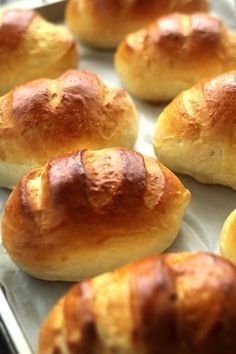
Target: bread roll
point(228, 238)
point(91, 211)
point(45, 118)
point(104, 23)
point(31, 47)
point(171, 304)
point(173, 54)
point(196, 133)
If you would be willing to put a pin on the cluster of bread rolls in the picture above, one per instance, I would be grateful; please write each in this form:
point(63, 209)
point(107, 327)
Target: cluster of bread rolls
point(172, 304)
point(91, 211)
point(104, 23)
point(31, 47)
point(45, 118)
point(81, 210)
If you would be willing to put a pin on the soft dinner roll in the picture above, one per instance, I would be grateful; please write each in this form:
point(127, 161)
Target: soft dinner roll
point(104, 23)
point(228, 238)
point(196, 133)
point(44, 118)
point(91, 211)
point(173, 54)
point(172, 304)
point(31, 47)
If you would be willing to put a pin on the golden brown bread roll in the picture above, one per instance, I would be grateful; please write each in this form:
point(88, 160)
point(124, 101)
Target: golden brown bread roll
point(104, 23)
point(31, 47)
point(91, 211)
point(172, 304)
point(196, 133)
point(45, 118)
point(173, 54)
point(228, 238)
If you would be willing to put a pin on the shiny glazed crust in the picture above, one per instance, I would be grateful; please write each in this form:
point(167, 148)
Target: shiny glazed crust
point(45, 118)
point(31, 47)
point(104, 23)
point(196, 133)
point(228, 238)
point(91, 211)
point(173, 54)
point(171, 304)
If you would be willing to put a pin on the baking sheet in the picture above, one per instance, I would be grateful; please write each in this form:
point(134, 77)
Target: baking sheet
point(30, 298)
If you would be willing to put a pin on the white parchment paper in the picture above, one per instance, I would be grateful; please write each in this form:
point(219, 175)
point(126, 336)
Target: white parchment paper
point(32, 299)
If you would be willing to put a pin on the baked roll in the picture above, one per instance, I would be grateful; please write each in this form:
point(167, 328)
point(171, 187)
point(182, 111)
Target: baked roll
point(45, 118)
point(91, 211)
point(173, 54)
point(196, 133)
point(105, 23)
point(171, 304)
point(31, 47)
point(228, 238)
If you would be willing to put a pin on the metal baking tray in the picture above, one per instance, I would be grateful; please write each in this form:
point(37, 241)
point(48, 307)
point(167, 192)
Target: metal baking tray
point(52, 10)
point(13, 338)
point(24, 301)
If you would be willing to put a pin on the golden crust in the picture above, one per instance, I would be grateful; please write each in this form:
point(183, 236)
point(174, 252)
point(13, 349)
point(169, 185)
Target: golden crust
point(228, 238)
point(91, 211)
point(105, 23)
point(174, 303)
point(196, 133)
point(173, 54)
point(44, 118)
point(31, 47)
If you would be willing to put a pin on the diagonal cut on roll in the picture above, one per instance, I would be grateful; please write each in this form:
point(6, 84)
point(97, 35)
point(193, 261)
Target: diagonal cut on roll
point(31, 48)
point(174, 304)
point(174, 53)
point(104, 23)
point(228, 238)
point(196, 133)
point(91, 211)
point(46, 118)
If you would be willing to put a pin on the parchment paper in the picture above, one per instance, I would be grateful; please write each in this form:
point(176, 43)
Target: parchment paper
point(30, 298)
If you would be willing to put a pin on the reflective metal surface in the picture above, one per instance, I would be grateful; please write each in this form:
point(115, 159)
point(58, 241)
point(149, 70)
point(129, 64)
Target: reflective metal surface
point(12, 338)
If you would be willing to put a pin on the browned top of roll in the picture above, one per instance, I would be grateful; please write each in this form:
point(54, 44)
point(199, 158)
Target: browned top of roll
point(74, 92)
point(13, 25)
point(219, 95)
point(184, 35)
point(214, 106)
point(175, 304)
point(45, 117)
point(178, 32)
point(31, 48)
